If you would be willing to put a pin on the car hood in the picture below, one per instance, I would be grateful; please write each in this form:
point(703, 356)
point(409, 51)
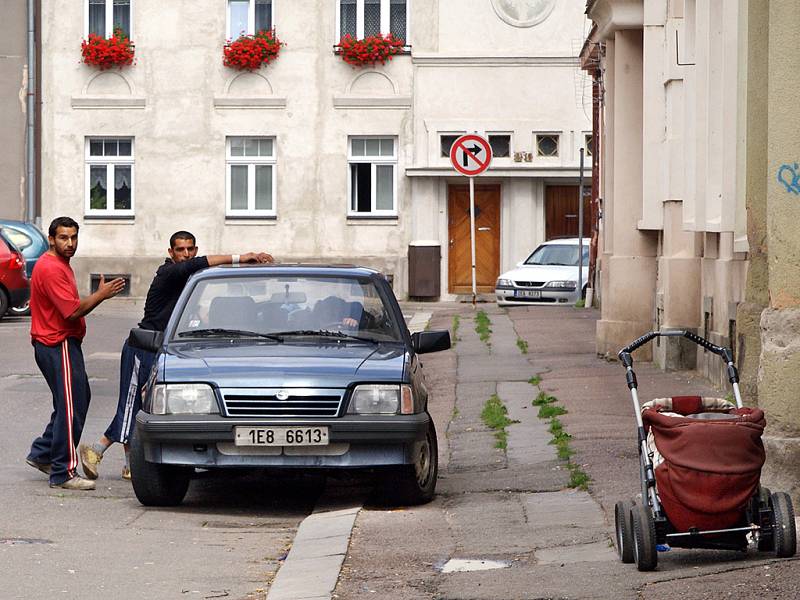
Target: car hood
point(283, 365)
point(544, 273)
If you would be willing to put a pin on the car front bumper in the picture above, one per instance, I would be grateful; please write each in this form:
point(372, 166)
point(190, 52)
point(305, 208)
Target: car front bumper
point(506, 296)
point(356, 441)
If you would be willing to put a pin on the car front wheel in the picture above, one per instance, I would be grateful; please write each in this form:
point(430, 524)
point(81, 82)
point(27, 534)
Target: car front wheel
point(155, 484)
point(20, 311)
point(416, 482)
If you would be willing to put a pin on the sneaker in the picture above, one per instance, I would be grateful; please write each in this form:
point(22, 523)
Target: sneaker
point(43, 467)
point(90, 459)
point(126, 473)
point(76, 483)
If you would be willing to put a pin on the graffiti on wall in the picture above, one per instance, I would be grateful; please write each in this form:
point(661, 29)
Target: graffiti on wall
point(789, 177)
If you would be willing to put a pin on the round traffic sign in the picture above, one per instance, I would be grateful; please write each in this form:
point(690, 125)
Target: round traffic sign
point(470, 155)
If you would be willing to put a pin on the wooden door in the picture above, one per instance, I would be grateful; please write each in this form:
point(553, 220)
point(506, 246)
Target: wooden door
point(561, 212)
point(487, 238)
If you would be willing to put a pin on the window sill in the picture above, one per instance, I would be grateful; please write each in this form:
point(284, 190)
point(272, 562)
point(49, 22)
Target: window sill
point(121, 219)
point(251, 219)
point(390, 220)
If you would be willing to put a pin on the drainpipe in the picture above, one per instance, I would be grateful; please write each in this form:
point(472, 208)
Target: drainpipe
point(30, 212)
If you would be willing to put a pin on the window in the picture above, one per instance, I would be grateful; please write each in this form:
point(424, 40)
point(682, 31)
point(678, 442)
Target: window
point(104, 16)
point(501, 145)
point(547, 145)
point(373, 183)
point(250, 177)
point(109, 176)
point(588, 144)
point(248, 17)
point(446, 142)
point(362, 18)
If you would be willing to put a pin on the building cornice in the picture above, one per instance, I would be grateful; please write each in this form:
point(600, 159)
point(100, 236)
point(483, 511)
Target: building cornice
point(613, 15)
point(438, 60)
point(272, 102)
point(539, 172)
point(402, 102)
point(113, 102)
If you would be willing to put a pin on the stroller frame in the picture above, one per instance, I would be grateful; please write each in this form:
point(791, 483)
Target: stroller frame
point(642, 528)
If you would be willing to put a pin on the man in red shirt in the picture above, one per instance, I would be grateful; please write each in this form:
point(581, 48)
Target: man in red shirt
point(57, 330)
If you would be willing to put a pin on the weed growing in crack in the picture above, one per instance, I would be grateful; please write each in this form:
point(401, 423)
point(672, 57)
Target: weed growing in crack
point(456, 323)
point(535, 380)
point(543, 399)
point(482, 328)
point(495, 416)
point(547, 411)
point(522, 345)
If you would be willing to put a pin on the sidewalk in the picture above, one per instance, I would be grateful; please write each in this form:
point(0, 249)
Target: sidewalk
point(510, 511)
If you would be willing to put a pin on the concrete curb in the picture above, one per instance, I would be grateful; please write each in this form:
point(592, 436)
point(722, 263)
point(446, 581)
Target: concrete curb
point(311, 570)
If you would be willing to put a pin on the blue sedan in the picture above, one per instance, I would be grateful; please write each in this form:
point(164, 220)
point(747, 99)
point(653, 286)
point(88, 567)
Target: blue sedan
point(288, 367)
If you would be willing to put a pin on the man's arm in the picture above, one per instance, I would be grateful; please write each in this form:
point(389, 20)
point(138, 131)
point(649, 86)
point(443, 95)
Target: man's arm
point(104, 292)
point(250, 258)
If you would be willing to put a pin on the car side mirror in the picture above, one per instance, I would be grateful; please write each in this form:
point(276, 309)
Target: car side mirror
point(145, 339)
point(430, 341)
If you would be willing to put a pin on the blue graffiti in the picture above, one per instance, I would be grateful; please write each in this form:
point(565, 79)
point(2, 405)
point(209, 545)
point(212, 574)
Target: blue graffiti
point(789, 177)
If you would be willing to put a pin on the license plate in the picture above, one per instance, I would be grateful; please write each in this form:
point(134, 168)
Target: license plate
point(528, 293)
point(281, 436)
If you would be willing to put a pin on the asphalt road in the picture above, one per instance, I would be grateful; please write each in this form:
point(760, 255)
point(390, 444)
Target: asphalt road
point(226, 540)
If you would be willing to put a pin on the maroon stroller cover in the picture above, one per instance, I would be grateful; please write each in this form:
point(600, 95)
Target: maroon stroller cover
point(709, 469)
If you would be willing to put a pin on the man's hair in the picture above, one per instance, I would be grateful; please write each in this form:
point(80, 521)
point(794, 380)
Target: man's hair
point(61, 222)
point(181, 235)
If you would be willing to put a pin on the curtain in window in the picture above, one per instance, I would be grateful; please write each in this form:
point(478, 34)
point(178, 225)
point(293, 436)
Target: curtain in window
point(122, 187)
point(97, 18)
point(263, 187)
point(397, 18)
point(239, 187)
point(372, 17)
point(348, 18)
point(384, 193)
point(98, 195)
point(263, 15)
point(237, 15)
point(122, 16)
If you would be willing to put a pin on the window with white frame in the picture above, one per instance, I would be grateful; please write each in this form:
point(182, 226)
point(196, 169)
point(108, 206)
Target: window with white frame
point(248, 17)
point(104, 16)
point(250, 177)
point(109, 176)
point(362, 18)
point(373, 176)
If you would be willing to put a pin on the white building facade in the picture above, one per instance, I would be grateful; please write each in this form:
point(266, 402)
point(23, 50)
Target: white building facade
point(308, 157)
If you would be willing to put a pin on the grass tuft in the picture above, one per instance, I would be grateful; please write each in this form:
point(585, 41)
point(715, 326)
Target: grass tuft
point(547, 411)
point(495, 416)
point(456, 323)
point(543, 399)
point(561, 439)
point(535, 380)
point(522, 345)
point(482, 328)
point(580, 303)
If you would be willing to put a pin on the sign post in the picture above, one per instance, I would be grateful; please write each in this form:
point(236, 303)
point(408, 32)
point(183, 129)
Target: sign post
point(580, 230)
point(471, 155)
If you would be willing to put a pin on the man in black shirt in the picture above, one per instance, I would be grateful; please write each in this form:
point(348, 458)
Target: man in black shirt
point(135, 363)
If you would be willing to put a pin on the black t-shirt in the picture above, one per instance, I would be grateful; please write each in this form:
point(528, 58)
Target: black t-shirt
point(167, 286)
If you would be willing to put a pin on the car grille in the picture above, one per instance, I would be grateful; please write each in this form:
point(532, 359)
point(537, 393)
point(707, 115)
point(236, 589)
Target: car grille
point(266, 404)
point(529, 283)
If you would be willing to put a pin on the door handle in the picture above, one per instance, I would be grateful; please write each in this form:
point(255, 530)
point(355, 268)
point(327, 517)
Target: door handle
point(452, 242)
point(484, 228)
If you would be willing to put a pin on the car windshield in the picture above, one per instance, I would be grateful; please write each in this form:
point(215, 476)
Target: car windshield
point(558, 254)
point(278, 307)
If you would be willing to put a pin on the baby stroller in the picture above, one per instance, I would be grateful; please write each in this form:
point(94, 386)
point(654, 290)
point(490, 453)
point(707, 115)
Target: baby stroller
point(700, 464)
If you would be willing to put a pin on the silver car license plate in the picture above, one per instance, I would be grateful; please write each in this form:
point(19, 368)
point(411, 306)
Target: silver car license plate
point(281, 436)
point(528, 293)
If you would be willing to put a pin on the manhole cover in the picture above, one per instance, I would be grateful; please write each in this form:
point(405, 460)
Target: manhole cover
point(460, 565)
point(22, 541)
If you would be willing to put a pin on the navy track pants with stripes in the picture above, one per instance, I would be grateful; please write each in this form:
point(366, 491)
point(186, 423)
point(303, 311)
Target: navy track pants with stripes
point(134, 370)
point(64, 370)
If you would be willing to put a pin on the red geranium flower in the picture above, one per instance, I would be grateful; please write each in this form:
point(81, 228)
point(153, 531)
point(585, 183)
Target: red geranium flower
point(98, 51)
point(251, 51)
point(372, 49)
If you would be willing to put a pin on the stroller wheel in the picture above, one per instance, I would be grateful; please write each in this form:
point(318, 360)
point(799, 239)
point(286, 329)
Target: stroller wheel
point(764, 541)
point(644, 538)
point(624, 532)
point(783, 525)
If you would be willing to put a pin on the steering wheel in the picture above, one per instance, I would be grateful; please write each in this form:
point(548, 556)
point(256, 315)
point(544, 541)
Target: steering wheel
point(338, 326)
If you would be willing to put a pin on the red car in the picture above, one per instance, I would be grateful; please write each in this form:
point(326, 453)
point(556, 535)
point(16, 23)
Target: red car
point(14, 287)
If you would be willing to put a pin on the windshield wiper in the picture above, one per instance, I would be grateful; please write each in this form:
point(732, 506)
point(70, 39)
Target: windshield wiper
point(327, 333)
point(228, 333)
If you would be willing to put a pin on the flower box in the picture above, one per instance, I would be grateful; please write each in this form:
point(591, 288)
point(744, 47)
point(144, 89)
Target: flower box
point(116, 51)
point(250, 52)
point(370, 50)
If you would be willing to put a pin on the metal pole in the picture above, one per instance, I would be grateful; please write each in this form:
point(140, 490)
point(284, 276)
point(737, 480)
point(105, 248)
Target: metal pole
point(30, 211)
point(472, 237)
point(580, 229)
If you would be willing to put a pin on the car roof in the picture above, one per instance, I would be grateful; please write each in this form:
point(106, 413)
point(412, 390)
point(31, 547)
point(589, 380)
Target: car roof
point(567, 242)
point(331, 270)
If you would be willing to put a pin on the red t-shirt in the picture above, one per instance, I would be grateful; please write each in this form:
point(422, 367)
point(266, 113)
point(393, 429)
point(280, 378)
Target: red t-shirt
point(54, 297)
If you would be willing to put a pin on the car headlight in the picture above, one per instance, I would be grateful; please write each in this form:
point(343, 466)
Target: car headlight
point(564, 285)
point(183, 399)
point(382, 399)
point(505, 283)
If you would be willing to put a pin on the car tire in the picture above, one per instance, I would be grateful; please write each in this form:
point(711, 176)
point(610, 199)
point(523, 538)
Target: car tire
point(3, 302)
point(20, 311)
point(416, 483)
point(155, 484)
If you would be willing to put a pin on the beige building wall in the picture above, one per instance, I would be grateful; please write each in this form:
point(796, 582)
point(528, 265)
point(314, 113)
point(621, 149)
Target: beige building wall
point(13, 90)
point(469, 69)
